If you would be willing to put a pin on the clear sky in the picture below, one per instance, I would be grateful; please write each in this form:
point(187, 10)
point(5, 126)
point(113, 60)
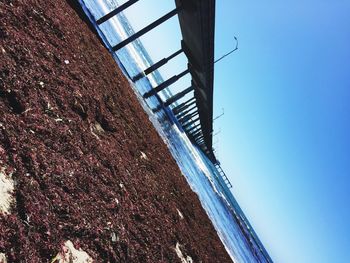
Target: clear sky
point(284, 140)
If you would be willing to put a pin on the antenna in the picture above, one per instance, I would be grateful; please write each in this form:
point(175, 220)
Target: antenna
point(228, 53)
point(217, 117)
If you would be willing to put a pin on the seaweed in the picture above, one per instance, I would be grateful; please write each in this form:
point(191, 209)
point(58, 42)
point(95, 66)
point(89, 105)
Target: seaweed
point(76, 137)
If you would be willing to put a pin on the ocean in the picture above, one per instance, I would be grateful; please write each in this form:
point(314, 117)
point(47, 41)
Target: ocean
point(233, 228)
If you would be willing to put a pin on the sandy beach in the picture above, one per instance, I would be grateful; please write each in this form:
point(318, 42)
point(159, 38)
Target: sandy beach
point(82, 165)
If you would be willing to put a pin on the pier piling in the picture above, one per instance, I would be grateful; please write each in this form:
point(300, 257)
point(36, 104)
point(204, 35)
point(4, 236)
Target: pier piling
point(184, 106)
point(178, 96)
point(165, 84)
point(146, 29)
point(116, 11)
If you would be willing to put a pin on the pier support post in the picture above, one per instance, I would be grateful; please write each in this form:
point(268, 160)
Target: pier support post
point(157, 65)
point(116, 11)
point(184, 106)
point(183, 113)
point(165, 84)
point(190, 123)
point(199, 138)
point(192, 128)
point(188, 117)
point(201, 145)
point(200, 142)
point(178, 96)
point(196, 133)
point(146, 29)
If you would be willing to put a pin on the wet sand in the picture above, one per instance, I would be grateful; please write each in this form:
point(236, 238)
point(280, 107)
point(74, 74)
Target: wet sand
point(86, 162)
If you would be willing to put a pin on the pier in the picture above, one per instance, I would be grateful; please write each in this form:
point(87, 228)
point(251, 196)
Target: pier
point(197, 24)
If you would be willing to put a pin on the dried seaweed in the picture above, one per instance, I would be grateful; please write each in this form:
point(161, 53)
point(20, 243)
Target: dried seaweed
point(74, 135)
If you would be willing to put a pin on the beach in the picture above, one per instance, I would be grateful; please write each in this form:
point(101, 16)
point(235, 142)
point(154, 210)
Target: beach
point(81, 165)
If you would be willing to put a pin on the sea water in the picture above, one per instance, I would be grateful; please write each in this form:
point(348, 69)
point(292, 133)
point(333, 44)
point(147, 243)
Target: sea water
point(225, 214)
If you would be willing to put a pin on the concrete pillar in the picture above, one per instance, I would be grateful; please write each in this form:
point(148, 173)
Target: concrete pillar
point(116, 11)
point(146, 29)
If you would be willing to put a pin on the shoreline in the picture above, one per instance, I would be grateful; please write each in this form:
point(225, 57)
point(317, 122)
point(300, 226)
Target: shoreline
point(87, 163)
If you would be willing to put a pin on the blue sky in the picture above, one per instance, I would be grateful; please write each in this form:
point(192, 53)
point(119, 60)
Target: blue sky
point(284, 139)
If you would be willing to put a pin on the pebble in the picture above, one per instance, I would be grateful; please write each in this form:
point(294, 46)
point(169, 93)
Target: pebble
point(144, 156)
point(180, 214)
point(66, 61)
point(183, 258)
point(70, 254)
point(114, 237)
point(6, 191)
point(3, 258)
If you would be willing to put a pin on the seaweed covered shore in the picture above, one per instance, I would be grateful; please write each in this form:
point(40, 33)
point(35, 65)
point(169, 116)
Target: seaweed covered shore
point(81, 162)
